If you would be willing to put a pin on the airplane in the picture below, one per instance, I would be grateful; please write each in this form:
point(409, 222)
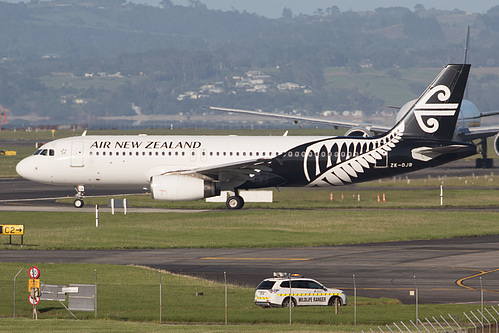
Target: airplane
point(195, 167)
point(468, 126)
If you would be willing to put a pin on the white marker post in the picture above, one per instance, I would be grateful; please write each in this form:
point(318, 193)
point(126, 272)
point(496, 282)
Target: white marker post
point(441, 195)
point(96, 216)
point(112, 206)
point(124, 206)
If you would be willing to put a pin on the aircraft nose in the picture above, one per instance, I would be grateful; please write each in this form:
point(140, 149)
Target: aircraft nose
point(25, 168)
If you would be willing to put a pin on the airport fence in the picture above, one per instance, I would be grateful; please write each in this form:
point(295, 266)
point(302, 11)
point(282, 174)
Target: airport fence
point(483, 320)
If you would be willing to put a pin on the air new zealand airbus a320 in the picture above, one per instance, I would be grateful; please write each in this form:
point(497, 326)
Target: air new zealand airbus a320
point(196, 167)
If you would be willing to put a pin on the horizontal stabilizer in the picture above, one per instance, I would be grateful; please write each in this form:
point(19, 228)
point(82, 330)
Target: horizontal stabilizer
point(427, 153)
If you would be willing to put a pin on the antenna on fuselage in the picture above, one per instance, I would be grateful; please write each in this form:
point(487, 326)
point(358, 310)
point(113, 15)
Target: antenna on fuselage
point(466, 55)
point(466, 46)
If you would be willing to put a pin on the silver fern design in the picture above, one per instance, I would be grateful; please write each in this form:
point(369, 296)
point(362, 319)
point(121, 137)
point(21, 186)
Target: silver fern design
point(337, 162)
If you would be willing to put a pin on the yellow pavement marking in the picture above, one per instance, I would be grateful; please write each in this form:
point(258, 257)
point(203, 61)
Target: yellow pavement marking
point(460, 281)
point(261, 259)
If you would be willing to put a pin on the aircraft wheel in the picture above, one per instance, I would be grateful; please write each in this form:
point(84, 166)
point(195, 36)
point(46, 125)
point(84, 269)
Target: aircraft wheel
point(78, 203)
point(235, 202)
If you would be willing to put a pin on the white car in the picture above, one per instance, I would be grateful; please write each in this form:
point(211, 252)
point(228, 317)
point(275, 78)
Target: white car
point(276, 292)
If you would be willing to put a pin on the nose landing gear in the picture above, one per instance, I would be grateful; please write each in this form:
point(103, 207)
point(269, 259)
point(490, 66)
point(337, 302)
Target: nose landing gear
point(80, 190)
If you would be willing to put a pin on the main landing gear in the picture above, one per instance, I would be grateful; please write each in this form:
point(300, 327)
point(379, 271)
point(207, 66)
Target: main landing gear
point(235, 202)
point(484, 162)
point(80, 190)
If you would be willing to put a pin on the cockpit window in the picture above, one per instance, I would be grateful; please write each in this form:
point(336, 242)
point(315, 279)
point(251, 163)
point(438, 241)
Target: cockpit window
point(45, 152)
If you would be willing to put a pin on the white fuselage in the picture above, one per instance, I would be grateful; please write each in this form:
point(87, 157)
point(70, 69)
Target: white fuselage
point(133, 160)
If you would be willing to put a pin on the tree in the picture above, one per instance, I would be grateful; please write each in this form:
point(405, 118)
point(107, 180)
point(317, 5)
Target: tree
point(287, 13)
point(419, 8)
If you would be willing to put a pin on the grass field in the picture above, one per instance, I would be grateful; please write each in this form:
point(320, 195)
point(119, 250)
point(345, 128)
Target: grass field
point(246, 228)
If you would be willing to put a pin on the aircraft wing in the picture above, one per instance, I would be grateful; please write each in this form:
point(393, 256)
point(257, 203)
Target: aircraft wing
point(473, 133)
point(334, 123)
point(240, 170)
point(489, 113)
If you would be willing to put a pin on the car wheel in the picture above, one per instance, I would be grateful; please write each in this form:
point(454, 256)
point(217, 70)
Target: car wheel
point(332, 299)
point(285, 303)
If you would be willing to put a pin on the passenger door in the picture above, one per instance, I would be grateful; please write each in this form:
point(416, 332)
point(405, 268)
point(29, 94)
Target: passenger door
point(77, 154)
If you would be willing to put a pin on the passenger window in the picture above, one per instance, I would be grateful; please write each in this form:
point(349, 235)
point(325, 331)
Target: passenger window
point(314, 285)
point(294, 284)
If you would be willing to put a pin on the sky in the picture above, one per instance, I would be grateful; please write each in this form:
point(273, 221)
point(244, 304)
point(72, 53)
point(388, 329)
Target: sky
point(273, 8)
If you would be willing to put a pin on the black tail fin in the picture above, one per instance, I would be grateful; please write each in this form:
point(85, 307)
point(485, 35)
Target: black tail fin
point(434, 115)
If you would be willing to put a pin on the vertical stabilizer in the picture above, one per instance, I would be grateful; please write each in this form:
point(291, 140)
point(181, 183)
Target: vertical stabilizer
point(434, 115)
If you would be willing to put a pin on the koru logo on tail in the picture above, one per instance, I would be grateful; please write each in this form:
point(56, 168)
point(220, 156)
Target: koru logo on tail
point(425, 109)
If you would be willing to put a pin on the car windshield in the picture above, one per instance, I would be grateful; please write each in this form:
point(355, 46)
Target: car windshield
point(266, 285)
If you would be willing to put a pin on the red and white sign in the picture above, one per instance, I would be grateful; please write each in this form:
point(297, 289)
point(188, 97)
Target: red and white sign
point(34, 301)
point(34, 272)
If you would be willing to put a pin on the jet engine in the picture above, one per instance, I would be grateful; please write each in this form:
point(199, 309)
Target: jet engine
point(182, 188)
point(496, 144)
point(359, 132)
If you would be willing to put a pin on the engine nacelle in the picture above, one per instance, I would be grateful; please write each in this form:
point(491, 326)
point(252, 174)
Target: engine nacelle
point(182, 188)
point(496, 144)
point(359, 132)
